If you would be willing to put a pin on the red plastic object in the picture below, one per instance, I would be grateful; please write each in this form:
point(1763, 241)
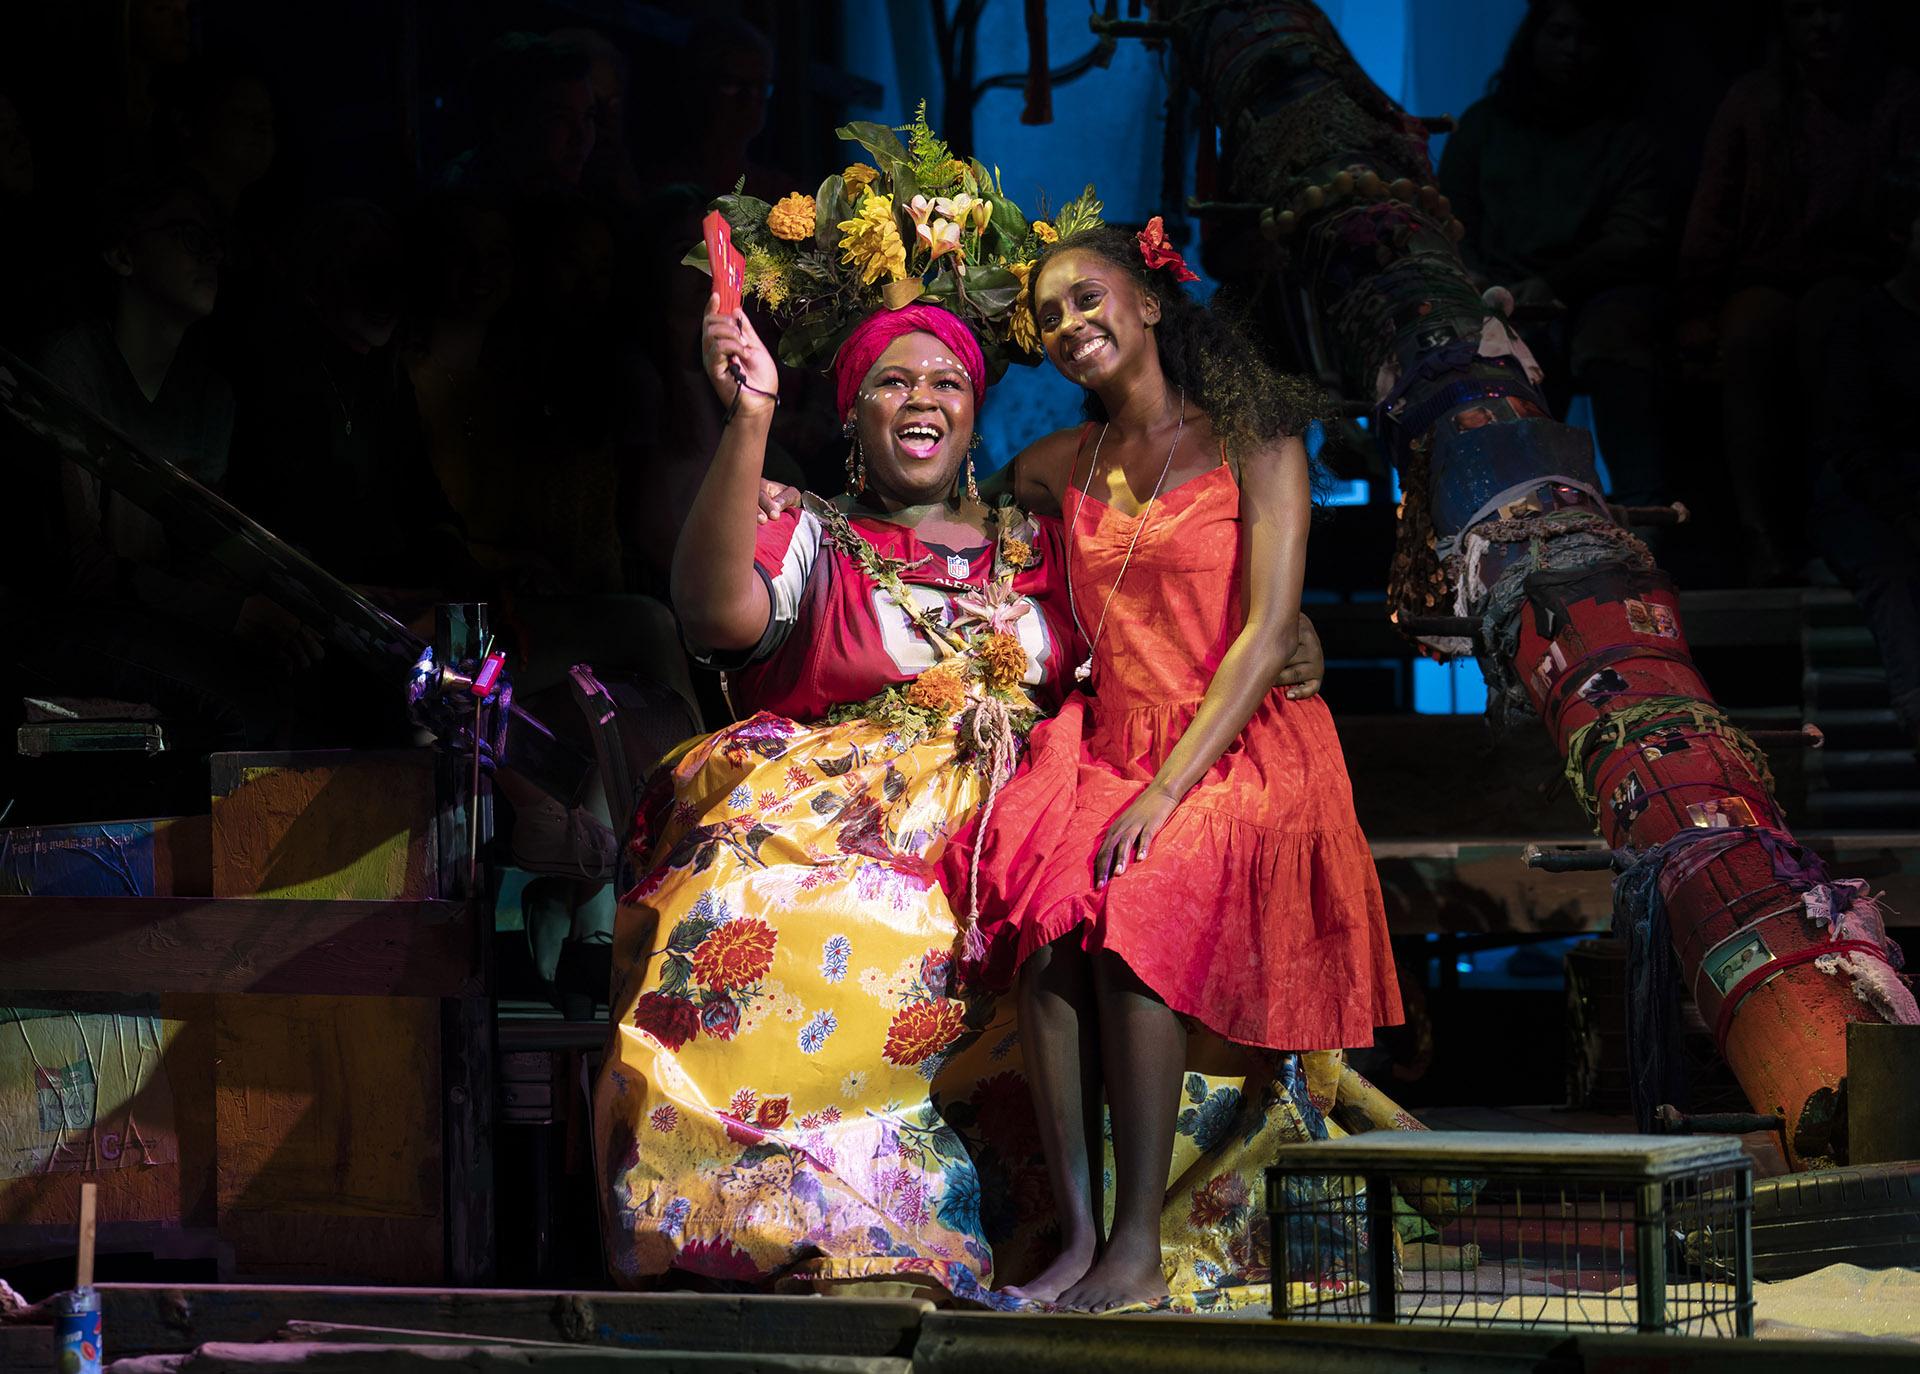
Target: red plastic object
point(723, 259)
point(488, 677)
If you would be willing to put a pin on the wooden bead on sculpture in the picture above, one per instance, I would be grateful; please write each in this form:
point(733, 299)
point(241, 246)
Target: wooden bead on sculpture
point(1429, 197)
point(1402, 189)
point(1443, 208)
point(1285, 221)
point(1456, 230)
point(1371, 186)
point(1342, 183)
point(1313, 198)
point(1269, 225)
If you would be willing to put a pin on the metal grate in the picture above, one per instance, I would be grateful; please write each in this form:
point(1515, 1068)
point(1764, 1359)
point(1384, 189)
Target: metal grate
point(1485, 1230)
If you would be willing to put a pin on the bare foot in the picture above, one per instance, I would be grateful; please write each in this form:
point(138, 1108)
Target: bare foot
point(1067, 1269)
point(1122, 1277)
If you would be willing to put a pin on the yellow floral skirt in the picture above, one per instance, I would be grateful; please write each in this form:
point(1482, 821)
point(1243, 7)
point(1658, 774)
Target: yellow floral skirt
point(795, 1087)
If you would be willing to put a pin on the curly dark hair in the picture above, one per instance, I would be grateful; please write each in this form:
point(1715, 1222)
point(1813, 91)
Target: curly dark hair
point(1206, 354)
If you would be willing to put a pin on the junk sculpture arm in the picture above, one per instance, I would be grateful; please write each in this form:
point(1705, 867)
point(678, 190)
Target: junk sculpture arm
point(1508, 550)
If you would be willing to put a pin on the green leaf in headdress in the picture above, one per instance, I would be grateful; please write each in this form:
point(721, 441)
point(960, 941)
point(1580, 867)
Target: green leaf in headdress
point(810, 341)
point(1079, 214)
point(830, 208)
point(992, 290)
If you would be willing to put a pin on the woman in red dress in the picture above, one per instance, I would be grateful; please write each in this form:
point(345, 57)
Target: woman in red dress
point(1183, 842)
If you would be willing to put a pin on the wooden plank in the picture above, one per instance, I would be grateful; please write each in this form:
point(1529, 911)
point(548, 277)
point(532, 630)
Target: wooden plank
point(185, 944)
point(147, 1318)
point(466, 1124)
point(337, 1333)
point(380, 1358)
point(988, 1343)
point(327, 1111)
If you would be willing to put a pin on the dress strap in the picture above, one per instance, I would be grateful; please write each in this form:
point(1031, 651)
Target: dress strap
point(1086, 432)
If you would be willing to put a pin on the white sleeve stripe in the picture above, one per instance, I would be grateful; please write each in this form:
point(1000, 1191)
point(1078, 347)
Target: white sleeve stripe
point(789, 585)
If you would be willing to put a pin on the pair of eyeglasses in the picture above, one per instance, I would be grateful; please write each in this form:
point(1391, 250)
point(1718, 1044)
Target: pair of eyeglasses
point(737, 90)
point(195, 237)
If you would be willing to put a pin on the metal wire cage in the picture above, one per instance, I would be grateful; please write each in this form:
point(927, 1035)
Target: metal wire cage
point(1485, 1230)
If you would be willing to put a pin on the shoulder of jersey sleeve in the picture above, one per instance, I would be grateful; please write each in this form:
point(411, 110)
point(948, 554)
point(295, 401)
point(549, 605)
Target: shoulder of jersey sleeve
point(775, 539)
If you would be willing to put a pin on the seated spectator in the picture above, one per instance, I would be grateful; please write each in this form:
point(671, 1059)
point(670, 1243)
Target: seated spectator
point(217, 121)
point(1558, 185)
point(609, 173)
point(327, 450)
point(27, 251)
point(139, 617)
point(718, 94)
point(1779, 238)
point(1867, 503)
point(534, 102)
point(143, 367)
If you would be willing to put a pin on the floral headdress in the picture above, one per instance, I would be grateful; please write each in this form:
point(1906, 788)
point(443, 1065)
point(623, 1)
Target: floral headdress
point(918, 224)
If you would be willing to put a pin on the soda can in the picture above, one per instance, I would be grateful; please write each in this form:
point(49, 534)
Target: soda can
point(76, 1333)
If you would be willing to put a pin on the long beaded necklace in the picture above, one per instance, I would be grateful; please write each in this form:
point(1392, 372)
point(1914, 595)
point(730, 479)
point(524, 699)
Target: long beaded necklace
point(1085, 670)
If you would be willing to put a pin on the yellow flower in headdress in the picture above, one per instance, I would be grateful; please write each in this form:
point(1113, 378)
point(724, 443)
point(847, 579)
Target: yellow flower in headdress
point(871, 241)
point(1022, 331)
point(771, 285)
point(792, 218)
point(859, 178)
point(1044, 232)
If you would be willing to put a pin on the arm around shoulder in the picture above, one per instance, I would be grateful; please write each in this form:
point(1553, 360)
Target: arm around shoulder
point(1040, 473)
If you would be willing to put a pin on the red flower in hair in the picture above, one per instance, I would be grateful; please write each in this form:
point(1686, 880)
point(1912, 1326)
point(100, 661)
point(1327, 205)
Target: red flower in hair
point(1155, 251)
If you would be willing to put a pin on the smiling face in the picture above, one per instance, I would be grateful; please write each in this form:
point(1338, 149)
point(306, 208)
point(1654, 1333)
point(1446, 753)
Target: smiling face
point(1093, 318)
point(915, 418)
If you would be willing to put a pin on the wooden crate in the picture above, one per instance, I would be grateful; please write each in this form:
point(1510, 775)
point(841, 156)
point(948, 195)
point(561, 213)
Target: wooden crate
point(285, 1089)
point(327, 1109)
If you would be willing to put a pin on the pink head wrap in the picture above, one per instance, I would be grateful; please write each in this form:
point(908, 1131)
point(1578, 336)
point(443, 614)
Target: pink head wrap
point(872, 335)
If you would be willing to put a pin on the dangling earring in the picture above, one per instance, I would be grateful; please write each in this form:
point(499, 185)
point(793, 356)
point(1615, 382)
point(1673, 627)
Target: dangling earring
point(973, 487)
point(856, 464)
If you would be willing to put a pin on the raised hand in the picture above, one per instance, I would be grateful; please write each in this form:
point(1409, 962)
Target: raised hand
point(737, 363)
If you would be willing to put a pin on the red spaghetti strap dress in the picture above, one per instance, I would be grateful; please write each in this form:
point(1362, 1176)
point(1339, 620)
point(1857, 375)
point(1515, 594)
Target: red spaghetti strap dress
point(1257, 912)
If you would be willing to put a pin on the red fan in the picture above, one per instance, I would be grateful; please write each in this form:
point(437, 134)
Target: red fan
point(724, 261)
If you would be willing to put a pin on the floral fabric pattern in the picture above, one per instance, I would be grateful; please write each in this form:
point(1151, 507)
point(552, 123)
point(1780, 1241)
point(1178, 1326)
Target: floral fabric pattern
point(797, 1086)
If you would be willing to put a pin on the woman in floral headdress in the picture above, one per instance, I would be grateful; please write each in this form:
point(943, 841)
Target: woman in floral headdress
point(785, 992)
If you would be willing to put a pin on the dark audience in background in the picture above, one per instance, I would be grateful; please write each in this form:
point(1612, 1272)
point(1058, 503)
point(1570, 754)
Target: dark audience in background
point(1782, 234)
point(1557, 180)
point(327, 450)
point(215, 119)
point(533, 102)
point(28, 252)
point(156, 36)
point(133, 613)
point(143, 364)
point(493, 388)
point(1867, 490)
point(609, 174)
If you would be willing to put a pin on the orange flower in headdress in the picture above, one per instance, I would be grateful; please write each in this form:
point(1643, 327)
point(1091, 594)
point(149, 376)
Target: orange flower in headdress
point(792, 218)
